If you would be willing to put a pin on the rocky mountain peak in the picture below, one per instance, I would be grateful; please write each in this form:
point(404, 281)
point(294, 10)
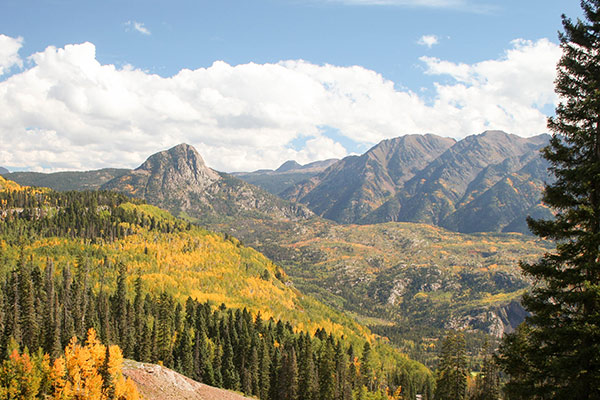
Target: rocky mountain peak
point(288, 166)
point(181, 164)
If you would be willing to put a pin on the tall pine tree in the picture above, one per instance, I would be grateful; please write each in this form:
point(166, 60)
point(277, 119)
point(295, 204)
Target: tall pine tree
point(562, 342)
point(452, 370)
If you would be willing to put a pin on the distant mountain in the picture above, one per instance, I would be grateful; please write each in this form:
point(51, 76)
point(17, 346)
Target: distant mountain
point(287, 175)
point(179, 181)
point(3, 171)
point(486, 182)
point(460, 178)
point(69, 180)
point(506, 204)
point(353, 187)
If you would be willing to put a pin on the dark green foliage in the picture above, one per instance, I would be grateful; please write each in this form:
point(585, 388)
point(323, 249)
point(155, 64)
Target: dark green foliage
point(32, 214)
point(288, 375)
point(487, 382)
point(452, 370)
point(557, 354)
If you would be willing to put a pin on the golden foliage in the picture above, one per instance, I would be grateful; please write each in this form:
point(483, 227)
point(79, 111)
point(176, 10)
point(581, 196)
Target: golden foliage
point(76, 375)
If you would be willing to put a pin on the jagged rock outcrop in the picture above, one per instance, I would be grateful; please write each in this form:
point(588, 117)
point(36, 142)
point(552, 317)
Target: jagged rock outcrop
point(179, 181)
point(495, 320)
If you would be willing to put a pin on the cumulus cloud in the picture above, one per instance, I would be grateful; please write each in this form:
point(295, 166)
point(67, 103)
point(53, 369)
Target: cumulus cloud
point(69, 111)
point(9, 53)
point(137, 26)
point(502, 93)
point(428, 40)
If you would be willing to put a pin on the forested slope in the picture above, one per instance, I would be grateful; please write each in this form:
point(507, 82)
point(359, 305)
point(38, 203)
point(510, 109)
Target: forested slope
point(167, 291)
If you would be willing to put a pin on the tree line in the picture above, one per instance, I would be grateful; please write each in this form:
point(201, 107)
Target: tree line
point(36, 213)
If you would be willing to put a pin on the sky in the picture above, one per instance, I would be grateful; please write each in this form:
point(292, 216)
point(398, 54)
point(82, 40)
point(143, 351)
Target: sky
point(253, 83)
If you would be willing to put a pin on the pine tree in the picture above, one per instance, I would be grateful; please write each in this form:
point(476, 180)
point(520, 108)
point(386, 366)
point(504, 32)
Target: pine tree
point(562, 341)
point(264, 371)
point(184, 361)
point(487, 383)
point(308, 382)
point(29, 323)
point(452, 369)
point(288, 376)
point(366, 367)
point(327, 371)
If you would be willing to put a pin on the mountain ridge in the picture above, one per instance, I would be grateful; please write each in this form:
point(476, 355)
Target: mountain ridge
point(354, 186)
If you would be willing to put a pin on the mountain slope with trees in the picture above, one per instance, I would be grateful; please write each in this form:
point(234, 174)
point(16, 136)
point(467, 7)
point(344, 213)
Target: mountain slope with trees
point(67, 180)
point(152, 284)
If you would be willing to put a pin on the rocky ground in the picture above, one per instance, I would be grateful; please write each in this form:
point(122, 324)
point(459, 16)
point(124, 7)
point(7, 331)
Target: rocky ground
point(159, 383)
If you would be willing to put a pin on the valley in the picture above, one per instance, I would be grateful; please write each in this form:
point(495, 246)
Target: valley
point(407, 281)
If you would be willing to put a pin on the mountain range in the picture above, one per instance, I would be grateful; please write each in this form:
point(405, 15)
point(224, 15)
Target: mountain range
point(287, 175)
point(483, 183)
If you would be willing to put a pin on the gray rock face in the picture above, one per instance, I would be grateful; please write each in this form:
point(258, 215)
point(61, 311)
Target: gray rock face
point(179, 181)
point(169, 176)
point(495, 321)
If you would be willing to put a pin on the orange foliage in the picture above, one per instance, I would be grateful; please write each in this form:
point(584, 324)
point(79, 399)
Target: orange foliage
point(80, 374)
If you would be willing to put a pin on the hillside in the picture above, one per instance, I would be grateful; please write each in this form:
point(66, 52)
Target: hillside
point(409, 281)
point(68, 180)
point(152, 284)
point(167, 253)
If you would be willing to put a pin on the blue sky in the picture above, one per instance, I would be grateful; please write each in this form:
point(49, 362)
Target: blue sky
point(469, 41)
point(192, 34)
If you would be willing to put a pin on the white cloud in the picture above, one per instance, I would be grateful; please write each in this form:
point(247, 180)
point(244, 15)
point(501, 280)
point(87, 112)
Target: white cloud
point(69, 111)
point(9, 53)
point(428, 40)
point(137, 26)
